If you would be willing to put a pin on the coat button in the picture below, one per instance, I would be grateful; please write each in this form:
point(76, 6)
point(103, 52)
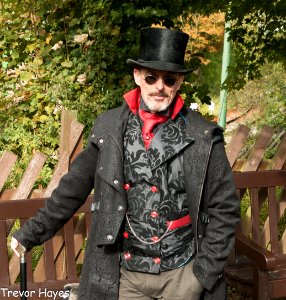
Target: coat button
point(101, 141)
point(109, 237)
point(154, 189)
point(120, 208)
point(157, 260)
point(154, 214)
point(115, 181)
point(127, 255)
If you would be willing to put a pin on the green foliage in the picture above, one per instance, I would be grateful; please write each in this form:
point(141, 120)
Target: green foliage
point(267, 94)
point(72, 54)
point(66, 54)
point(258, 32)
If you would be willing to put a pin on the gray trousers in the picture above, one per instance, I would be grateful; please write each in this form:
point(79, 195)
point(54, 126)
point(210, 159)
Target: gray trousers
point(177, 284)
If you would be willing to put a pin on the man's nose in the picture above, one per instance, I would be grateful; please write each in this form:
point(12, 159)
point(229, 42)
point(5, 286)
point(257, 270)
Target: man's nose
point(160, 84)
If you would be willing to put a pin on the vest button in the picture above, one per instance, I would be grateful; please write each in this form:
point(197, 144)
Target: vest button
point(154, 214)
point(154, 189)
point(157, 260)
point(125, 235)
point(127, 186)
point(155, 238)
point(109, 237)
point(127, 255)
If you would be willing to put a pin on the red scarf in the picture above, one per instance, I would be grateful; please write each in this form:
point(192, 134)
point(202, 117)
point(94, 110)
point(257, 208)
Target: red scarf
point(150, 120)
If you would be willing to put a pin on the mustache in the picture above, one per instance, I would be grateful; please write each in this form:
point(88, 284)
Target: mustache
point(158, 94)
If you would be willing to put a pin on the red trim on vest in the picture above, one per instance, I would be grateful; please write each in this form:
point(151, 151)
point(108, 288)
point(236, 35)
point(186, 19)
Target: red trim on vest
point(186, 220)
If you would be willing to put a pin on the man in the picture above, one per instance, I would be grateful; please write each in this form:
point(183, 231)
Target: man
point(165, 208)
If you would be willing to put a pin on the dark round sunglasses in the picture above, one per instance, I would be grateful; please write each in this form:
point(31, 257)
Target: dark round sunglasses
point(168, 80)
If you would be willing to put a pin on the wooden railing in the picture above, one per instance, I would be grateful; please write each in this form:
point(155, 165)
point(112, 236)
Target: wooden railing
point(55, 274)
point(258, 265)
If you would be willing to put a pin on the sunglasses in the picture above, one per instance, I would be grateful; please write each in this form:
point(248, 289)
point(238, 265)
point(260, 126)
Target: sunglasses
point(169, 81)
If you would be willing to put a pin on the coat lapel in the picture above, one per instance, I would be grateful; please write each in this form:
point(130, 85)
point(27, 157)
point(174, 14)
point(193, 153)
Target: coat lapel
point(109, 139)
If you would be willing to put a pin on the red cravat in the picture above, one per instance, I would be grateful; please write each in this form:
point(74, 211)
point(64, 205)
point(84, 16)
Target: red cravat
point(149, 122)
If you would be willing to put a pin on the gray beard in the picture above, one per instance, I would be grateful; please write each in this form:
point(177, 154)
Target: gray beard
point(153, 108)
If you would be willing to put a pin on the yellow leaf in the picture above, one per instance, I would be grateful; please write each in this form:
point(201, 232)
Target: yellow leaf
point(67, 64)
point(31, 47)
point(43, 118)
point(48, 39)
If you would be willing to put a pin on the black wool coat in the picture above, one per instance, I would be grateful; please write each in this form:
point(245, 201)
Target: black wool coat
point(209, 187)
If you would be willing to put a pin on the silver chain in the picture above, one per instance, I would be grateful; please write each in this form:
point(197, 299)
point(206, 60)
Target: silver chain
point(144, 241)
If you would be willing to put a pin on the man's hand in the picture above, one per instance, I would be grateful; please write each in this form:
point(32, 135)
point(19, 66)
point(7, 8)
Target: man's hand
point(17, 247)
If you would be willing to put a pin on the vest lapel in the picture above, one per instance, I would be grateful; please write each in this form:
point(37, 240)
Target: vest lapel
point(135, 153)
point(170, 140)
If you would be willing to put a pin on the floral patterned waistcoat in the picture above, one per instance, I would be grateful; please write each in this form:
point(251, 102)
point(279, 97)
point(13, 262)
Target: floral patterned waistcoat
point(156, 194)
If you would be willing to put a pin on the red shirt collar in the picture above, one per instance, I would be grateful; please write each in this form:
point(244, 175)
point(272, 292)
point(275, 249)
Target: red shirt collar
point(132, 98)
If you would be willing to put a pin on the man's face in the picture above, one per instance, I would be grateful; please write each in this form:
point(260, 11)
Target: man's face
point(158, 88)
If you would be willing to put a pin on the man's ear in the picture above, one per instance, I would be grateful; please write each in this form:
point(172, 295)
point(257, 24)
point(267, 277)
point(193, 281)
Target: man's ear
point(137, 77)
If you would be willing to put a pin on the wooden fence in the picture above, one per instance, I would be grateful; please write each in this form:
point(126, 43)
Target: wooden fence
point(70, 146)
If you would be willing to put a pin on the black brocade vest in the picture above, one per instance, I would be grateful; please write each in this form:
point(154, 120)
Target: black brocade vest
point(155, 194)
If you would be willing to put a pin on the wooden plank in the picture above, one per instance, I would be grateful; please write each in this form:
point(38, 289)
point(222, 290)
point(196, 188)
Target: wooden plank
point(39, 272)
point(273, 221)
point(49, 260)
point(70, 251)
point(7, 162)
point(281, 210)
point(30, 176)
point(4, 274)
point(14, 268)
point(7, 194)
point(236, 144)
point(265, 164)
point(255, 214)
point(80, 234)
point(60, 170)
point(76, 140)
point(238, 165)
point(27, 182)
point(279, 158)
point(256, 155)
point(66, 119)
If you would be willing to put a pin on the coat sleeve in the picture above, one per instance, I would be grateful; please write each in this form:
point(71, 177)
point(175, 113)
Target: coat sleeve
point(223, 208)
point(73, 189)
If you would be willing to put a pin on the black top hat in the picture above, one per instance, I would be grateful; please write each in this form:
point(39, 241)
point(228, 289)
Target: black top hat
point(162, 49)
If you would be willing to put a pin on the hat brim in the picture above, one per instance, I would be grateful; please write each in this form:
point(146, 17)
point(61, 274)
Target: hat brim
point(158, 65)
